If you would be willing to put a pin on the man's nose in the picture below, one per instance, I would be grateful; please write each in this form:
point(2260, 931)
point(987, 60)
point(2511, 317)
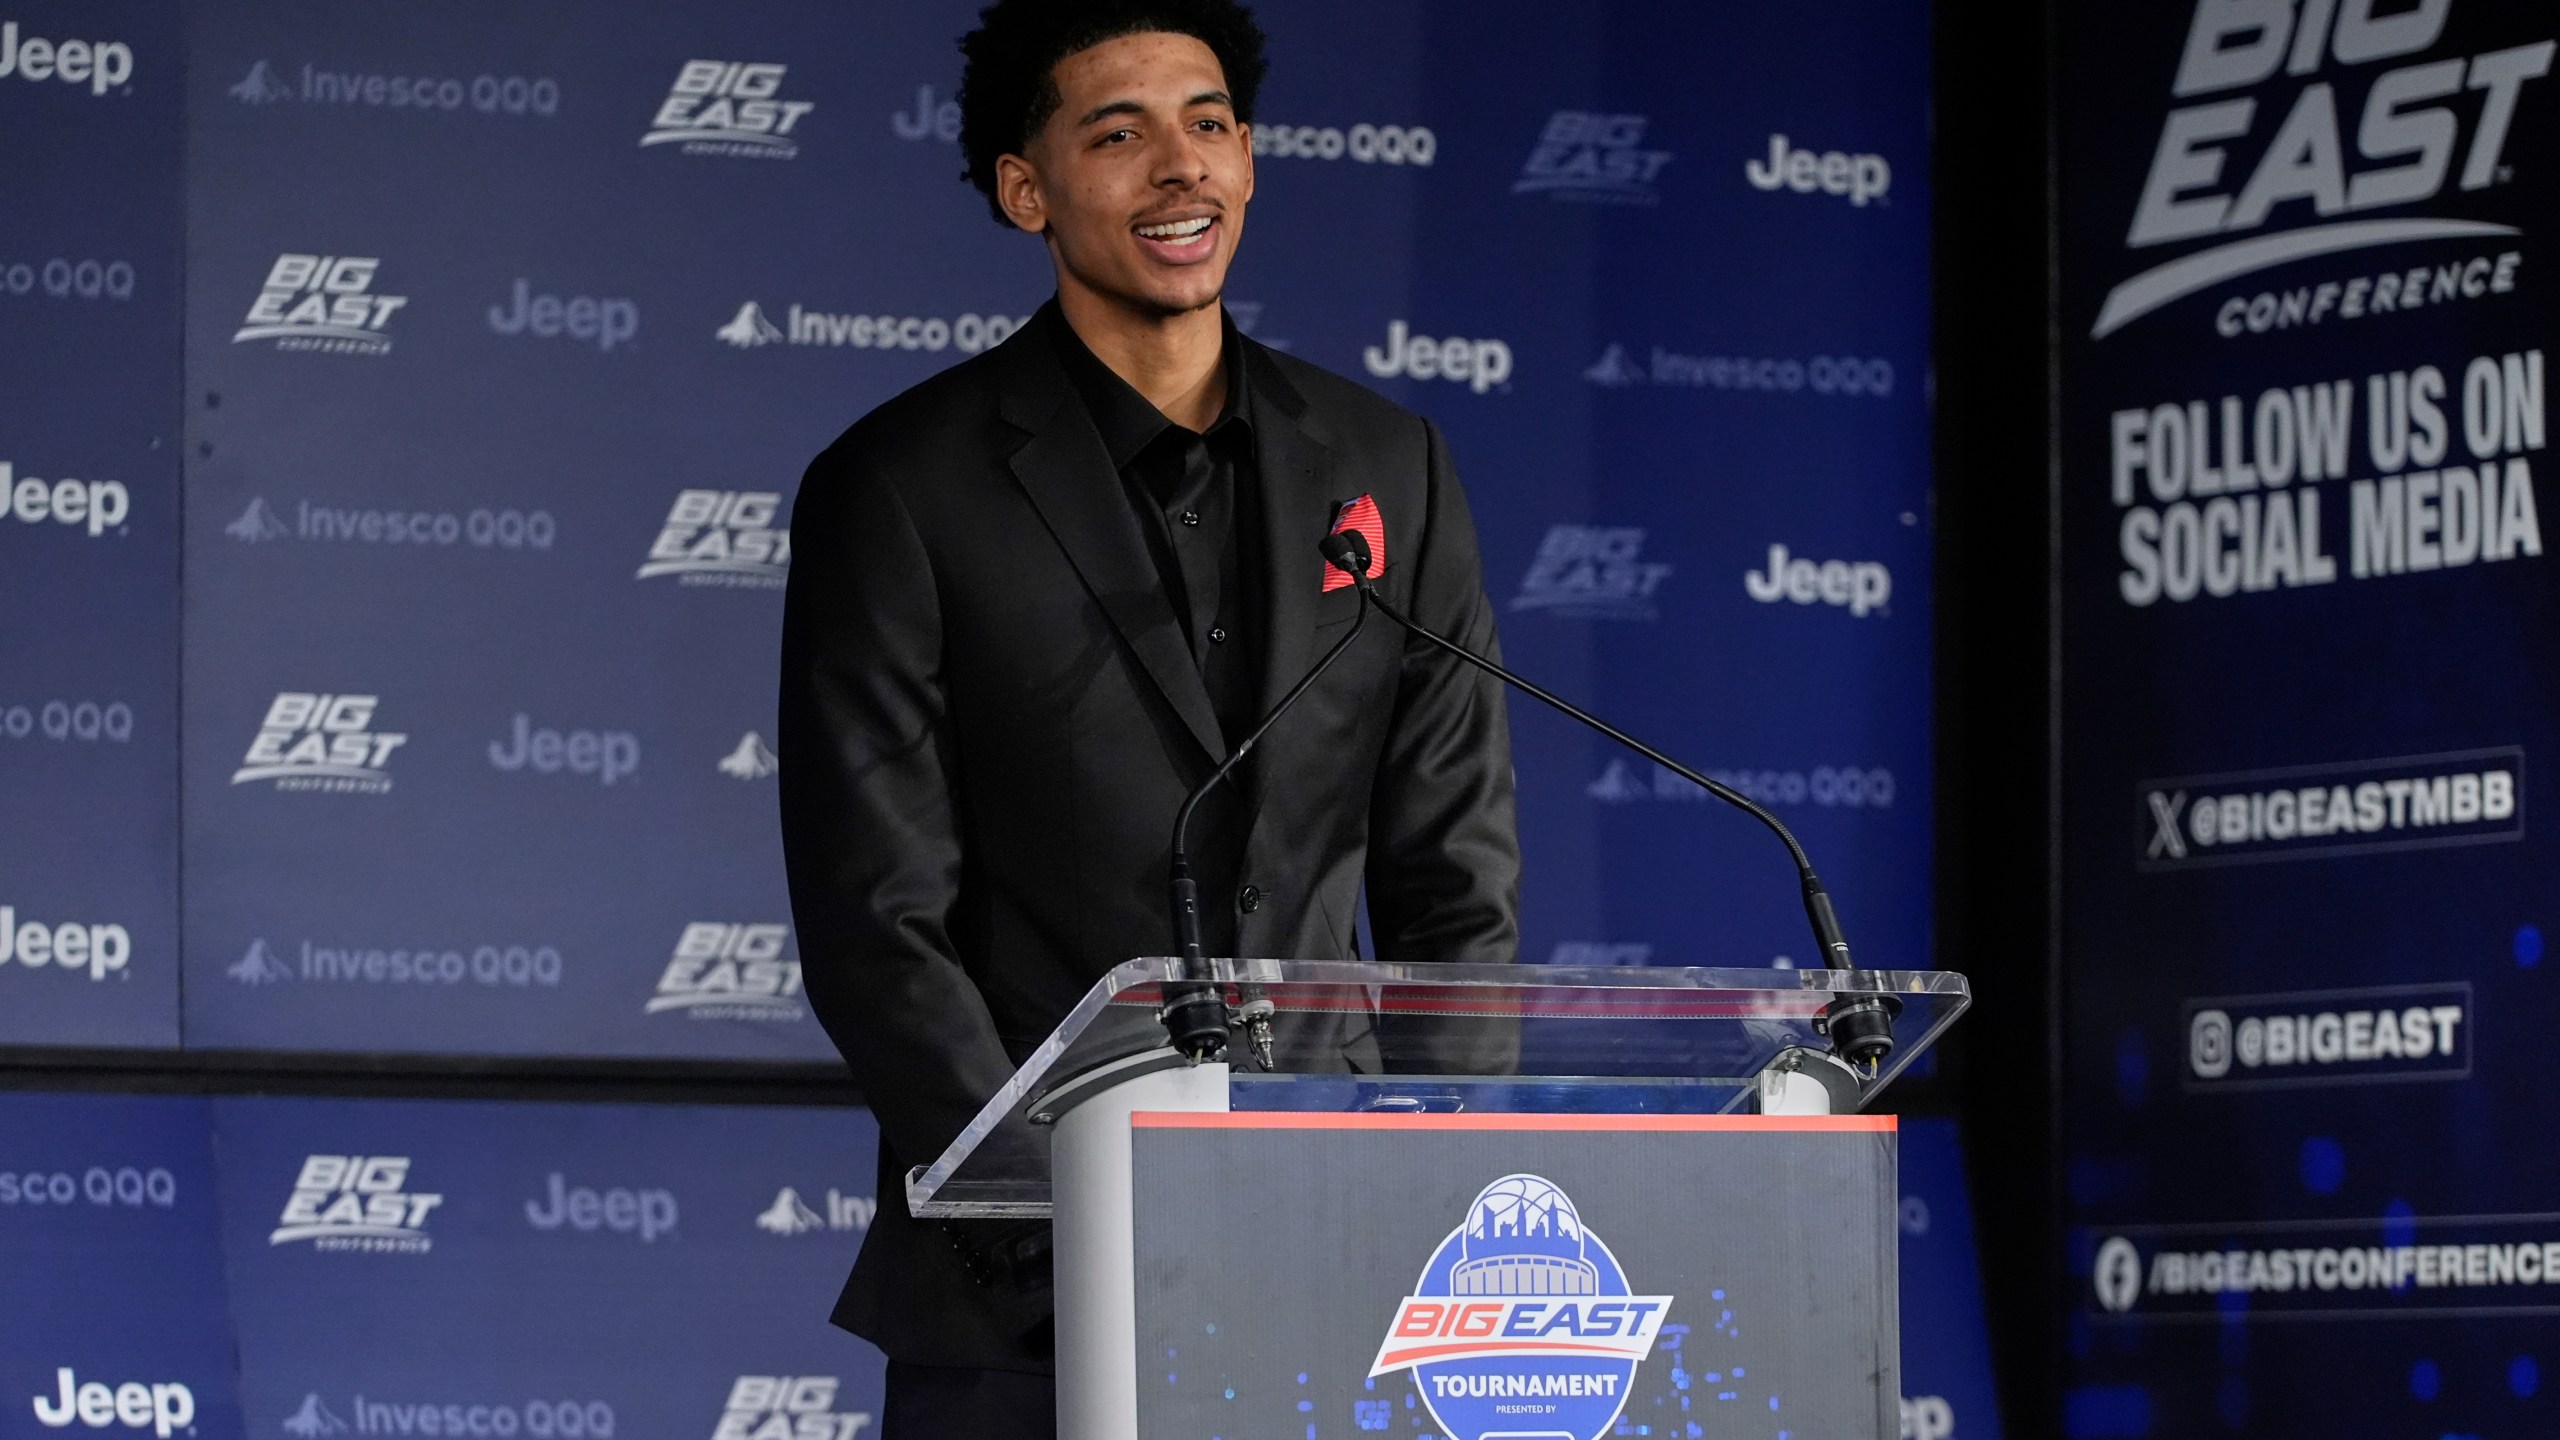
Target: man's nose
point(1179, 162)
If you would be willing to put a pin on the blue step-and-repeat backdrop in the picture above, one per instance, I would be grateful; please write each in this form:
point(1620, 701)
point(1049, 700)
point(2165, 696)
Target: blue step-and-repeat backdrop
point(2307, 620)
point(484, 347)
point(297, 1268)
point(271, 1267)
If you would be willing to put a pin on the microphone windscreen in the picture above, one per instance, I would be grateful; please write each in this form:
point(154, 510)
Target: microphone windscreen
point(1347, 551)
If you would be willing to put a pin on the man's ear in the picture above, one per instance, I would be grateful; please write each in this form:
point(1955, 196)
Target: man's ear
point(1018, 194)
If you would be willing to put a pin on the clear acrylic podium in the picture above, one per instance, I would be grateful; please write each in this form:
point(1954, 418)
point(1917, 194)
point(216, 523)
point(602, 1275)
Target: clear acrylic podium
point(1411, 1057)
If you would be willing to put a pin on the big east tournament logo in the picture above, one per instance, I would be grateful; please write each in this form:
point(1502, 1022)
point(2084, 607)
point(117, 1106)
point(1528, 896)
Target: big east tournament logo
point(1522, 1323)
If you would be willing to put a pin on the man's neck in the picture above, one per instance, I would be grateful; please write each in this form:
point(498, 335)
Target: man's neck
point(1178, 362)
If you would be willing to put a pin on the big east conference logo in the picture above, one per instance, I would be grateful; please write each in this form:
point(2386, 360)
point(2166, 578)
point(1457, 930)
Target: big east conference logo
point(2244, 143)
point(1522, 1323)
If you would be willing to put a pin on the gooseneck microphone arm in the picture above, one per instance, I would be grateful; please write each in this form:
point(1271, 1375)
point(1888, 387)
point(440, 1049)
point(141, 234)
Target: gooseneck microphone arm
point(1860, 1027)
point(1194, 1010)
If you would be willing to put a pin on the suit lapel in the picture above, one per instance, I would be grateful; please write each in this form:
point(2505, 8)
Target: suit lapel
point(1297, 468)
point(1068, 475)
point(1296, 474)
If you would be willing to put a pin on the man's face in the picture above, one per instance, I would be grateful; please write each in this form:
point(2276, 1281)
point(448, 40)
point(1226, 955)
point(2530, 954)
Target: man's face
point(1141, 177)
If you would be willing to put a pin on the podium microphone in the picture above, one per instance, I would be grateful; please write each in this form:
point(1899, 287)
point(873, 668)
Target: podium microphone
point(1195, 1009)
point(1860, 1027)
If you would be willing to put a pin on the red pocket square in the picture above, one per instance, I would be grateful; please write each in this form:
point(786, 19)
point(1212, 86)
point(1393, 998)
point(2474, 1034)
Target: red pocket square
point(1361, 515)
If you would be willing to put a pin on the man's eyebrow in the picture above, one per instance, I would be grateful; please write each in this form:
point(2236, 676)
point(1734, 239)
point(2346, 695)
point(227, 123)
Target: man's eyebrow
point(1132, 107)
point(1116, 107)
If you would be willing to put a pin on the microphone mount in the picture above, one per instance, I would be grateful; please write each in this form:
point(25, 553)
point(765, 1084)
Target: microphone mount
point(1859, 1027)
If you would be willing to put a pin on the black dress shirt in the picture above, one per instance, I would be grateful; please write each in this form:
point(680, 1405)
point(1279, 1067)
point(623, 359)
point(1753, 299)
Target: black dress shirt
point(1197, 494)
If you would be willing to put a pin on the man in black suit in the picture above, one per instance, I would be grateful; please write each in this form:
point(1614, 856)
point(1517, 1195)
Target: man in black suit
point(1039, 596)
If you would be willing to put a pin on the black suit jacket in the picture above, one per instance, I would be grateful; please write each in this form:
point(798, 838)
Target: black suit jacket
point(989, 717)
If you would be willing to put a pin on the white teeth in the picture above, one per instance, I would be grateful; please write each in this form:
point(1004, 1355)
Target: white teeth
point(1176, 230)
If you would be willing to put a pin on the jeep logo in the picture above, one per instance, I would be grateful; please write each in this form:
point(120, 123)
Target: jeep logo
point(1478, 364)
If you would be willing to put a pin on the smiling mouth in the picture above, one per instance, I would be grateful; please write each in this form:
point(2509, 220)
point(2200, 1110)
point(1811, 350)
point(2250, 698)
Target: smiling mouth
point(1181, 233)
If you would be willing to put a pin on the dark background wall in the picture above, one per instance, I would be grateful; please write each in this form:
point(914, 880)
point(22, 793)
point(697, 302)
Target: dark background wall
point(1994, 649)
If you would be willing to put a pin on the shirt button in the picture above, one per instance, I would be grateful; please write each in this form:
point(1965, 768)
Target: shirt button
point(1249, 899)
point(1217, 634)
point(1190, 517)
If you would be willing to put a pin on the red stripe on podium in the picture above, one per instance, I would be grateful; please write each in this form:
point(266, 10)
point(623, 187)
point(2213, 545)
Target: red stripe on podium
point(1367, 1120)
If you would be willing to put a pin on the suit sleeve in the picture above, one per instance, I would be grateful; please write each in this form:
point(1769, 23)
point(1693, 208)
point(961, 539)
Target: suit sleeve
point(869, 801)
point(1444, 852)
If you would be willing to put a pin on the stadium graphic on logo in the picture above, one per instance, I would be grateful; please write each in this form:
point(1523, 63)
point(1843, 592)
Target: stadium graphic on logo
point(1522, 1324)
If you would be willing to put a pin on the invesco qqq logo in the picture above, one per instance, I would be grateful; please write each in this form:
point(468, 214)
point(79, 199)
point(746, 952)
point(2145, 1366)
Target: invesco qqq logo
point(968, 333)
point(540, 1419)
point(356, 1203)
point(126, 1187)
point(322, 303)
point(791, 1215)
point(1522, 1322)
point(1368, 144)
point(320, 742)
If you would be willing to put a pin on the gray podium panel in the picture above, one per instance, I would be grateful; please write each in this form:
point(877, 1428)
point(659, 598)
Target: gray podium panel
point(1515, 1276)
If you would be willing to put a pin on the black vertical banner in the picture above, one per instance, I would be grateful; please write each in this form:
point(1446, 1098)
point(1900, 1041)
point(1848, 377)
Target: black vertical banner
point(2307, 710)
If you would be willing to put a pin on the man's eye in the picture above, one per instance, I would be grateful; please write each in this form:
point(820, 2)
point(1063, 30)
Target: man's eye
point(1116, 136)
point(1213, 124)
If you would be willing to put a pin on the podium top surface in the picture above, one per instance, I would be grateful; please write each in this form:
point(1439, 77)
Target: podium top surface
point(1420, 1038)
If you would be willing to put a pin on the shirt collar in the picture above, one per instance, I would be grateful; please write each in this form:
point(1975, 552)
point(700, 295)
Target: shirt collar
point(1129, 422)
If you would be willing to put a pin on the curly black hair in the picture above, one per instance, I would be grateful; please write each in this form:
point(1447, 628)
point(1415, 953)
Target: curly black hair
point(1009, 83)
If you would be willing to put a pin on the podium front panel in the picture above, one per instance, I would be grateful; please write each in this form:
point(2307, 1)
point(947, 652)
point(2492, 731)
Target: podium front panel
point(1515, 1276)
